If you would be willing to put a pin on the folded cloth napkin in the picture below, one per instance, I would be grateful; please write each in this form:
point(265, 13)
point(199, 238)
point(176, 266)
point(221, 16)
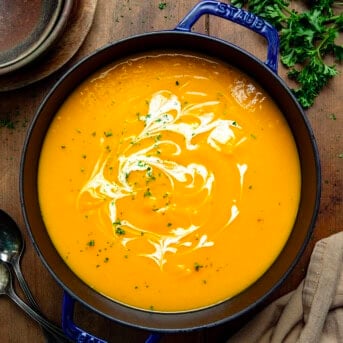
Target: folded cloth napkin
point(313, 313)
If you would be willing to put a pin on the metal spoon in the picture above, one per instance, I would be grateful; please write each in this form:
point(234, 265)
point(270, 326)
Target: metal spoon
point(6, 287)
point(11, 249)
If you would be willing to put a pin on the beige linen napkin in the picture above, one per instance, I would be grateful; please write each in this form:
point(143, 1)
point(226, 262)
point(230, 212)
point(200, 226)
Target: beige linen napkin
point(313, 313)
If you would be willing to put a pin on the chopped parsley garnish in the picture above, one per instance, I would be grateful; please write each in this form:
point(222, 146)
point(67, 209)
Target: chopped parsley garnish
point(147, 193)
point(120, 231)
point(91, 243)
point(197, 266)
point(9, 124)
point(162, 5)
point(158, 137)
point(108, 133)
point(141, 164)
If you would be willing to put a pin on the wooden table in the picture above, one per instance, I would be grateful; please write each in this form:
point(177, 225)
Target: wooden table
point(114, 20)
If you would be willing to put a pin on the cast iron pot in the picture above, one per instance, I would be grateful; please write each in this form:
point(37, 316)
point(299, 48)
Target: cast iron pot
point(266, 75)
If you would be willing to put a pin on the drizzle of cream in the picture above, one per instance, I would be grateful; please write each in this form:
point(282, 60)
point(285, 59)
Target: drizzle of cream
point(234, 214)
point(242, 168)
point(165, 114)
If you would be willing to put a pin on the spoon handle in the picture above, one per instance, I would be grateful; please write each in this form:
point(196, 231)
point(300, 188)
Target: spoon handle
point(24, 286)
point(48, 326)
point(50, 336)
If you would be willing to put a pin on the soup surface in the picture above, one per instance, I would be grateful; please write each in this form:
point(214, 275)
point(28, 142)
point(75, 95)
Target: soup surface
point(169, 182)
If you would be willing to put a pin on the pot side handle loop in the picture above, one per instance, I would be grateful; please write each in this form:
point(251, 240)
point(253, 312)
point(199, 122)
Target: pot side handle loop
point(76, 334)
point(238, 16)
point(71, 330)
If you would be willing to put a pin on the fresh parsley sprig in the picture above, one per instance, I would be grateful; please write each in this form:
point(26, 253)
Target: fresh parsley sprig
point(307, 38)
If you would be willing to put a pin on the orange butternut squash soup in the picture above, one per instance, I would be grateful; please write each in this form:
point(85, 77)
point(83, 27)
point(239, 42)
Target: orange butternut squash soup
point(169, 182)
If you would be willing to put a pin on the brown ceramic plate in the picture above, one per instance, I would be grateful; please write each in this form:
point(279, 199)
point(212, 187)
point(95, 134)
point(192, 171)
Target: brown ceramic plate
point(73, 36)
point(28, 29)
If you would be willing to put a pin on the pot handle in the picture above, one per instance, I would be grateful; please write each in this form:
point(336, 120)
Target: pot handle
point(238, 16)
point(71, 330)
point(75, 333)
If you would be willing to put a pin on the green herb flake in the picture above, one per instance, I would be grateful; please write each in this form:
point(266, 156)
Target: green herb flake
point(162, 5)
point(332, 116)
point(120, 231)
point(7, 123)
point(147, 193)
point(108, 133)
point(91, 243)
point(158, 137)
point(141, 164)
point(197, 266)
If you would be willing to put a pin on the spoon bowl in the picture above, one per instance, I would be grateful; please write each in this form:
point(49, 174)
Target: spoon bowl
point(11, 241)
point(4, 279)
point(11, 249)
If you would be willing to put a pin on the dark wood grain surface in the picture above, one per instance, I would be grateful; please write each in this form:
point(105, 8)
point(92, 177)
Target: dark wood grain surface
point(114, 20)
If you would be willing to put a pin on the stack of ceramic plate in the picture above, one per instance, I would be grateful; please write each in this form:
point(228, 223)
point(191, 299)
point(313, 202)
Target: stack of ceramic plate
point(28, 29)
